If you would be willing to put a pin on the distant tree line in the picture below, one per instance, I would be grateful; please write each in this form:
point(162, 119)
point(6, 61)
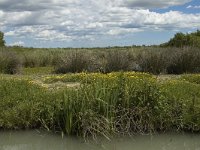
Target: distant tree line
point(184, 40)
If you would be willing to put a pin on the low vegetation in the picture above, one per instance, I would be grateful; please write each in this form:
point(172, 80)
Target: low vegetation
point(103, 104)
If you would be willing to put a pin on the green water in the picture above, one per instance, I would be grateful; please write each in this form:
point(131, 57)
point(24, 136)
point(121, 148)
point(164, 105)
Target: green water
point(34, 140)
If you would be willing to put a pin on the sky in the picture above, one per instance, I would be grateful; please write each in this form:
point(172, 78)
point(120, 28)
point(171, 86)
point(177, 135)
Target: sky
point(96, 23)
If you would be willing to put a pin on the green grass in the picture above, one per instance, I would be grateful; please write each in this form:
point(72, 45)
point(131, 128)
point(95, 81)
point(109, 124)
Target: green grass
point(38, 71)
point(193, 78)
point(103, 104)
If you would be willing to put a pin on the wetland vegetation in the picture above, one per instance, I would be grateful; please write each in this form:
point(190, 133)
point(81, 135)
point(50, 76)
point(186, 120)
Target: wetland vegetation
point(101, 91)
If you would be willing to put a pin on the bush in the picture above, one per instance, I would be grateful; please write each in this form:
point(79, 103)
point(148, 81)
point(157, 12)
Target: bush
point(37, 58)
point(116, 60)
point(2, 41)
point(74, 62)
point(10, 63)
point(181, 101)
point(183, 40)
point(184, 61)
point(152, 62)
point(25, 104)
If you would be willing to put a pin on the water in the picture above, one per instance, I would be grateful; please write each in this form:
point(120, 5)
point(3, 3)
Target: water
point(33, 140)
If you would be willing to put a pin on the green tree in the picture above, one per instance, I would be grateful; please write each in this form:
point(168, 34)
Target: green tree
point(2, 41)
point(184, 40)
point(197, 33)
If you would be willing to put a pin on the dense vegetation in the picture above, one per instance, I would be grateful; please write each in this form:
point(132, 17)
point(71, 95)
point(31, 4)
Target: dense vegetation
point(102, 104)
point(154, 60)
point(2, 41)
point(182, 40)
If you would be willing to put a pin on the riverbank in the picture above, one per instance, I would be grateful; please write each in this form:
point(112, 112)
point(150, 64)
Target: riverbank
point(93, 104)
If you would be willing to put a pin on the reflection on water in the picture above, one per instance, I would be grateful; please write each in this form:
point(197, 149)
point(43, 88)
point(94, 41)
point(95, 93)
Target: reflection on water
point(32, 140)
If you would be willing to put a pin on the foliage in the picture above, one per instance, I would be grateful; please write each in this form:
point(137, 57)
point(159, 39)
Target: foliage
point(193, 78)
point(153, 62)
point(183, 61)
point(73, 62)
point(2, 41)
point(185, 40)
point(10, 63)
point(104, 104)
point(182, 100)
point(116, 60)
point(37, 71)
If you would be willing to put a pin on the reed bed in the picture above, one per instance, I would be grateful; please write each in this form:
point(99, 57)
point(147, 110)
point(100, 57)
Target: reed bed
point(156, 60)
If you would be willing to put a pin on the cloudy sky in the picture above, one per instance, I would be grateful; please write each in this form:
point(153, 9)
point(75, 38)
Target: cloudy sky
point(92, 23)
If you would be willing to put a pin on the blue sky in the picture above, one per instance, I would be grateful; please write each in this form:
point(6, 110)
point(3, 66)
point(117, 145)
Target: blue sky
point(96, 23)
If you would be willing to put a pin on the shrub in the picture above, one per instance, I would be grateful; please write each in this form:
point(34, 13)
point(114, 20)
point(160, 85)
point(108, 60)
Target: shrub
point(181, 101)
point(116, 60)
point(10, 63)
point(183, 61)
point(37, 58)
point(152, 62)
point(74, 62)
point(2, 41)
point(183, 40)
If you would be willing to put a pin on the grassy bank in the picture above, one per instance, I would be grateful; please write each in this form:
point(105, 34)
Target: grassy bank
point(91, 104)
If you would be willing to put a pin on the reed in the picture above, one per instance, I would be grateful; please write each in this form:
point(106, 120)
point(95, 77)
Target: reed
point(156, 60)
point(10, 62)
point(104, 104)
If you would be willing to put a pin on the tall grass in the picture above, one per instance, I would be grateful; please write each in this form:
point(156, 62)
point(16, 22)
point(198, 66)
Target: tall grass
point(117, 60)
point(152, 61)
point(155, 60)
point(74, 62)
point(104, 104)
point(183, 61)
point(10, 63)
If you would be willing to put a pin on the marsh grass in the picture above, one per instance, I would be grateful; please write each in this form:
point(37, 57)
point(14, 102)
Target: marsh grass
point(10, 62)
point(73, 62)
point(156, 60)
point(184, 60)
point(193, 78)
point(152, 61)
point(104, 104)
point(37, 71)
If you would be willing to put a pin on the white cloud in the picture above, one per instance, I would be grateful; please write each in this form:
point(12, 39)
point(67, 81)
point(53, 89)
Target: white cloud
point(10, 33)
point(121, 31)
point(52, 35)
point(193, 7)
point(18, 43)
point(189, 6)
point(61, 20)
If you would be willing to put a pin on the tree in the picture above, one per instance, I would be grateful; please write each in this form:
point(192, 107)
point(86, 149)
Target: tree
point(184, 40)
point(197, 33)
point(2, 41)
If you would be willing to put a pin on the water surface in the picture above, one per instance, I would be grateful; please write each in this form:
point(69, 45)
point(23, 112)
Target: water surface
point(34, 140)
